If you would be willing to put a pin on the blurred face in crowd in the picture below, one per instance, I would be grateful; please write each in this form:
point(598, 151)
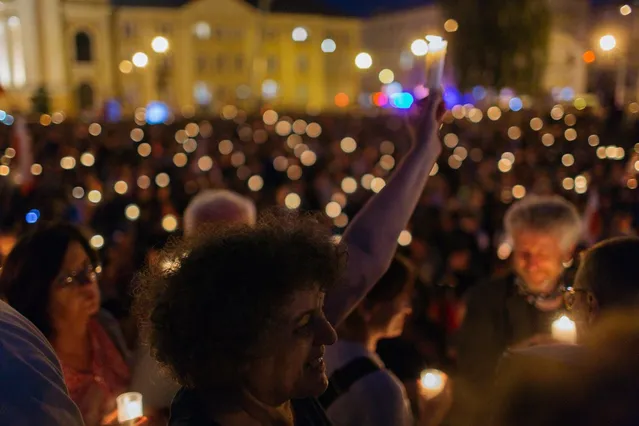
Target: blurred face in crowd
point(538, 259)
point(295, 367)
point(389, 317)
point(75, 295)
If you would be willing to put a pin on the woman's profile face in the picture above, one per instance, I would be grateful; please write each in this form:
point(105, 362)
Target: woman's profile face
point(295, 367)
point(75, 296)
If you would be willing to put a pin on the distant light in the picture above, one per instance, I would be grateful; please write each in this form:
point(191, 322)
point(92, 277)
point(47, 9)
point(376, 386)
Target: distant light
point(386, 76)
point(162, 180)
point(515, 104)
point(255, 183)
point(132, 212)
point(451, 26)
point(97, 242)
point(32, 216)
point(380, 99)
point(363, 61)
point(95, 129)
point(144, 149)
point(169, 223)
point(405, 238)
point(567, 94)
point(625, 10)
point(341, 100)
point(299, 34)
point(269, 89)
point(95, 196)
point(292, 201)
point(136, 134)
point(393, 88)
point(160, 44)
point(419, 47)
point(589, 57)
point(67, 163)
point(45, 120)
point(126, 67)
point(494, 113)
point(87, 159)
point(348, 145)
point(121, 187)
point(36, 169)
point(202, 30)
point(420, 92)
point(479, 93)
point(140, 60)
point(402, 100)
point(157, 113)
point(180, 159)
point(205, 163)
point(607, 43)
point(77, 192)
point(328, 46)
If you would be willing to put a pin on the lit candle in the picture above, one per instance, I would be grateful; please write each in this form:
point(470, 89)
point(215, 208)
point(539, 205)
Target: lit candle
point(435, 59)
point(432, 382)
point(564, 330)
point(129, 407)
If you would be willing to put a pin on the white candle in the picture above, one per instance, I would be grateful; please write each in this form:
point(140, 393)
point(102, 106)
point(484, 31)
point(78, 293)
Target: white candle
point(564, 330)
point(435, 60)
point(129, 406)
point(432, 382)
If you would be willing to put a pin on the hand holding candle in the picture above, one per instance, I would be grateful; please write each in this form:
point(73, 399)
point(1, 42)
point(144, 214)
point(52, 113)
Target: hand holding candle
point(432, 382)
point(564, 330)
point(129, 407)
point(435, 60)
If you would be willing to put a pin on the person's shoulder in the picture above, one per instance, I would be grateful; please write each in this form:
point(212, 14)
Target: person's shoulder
point(496, 286)
point(381, 387)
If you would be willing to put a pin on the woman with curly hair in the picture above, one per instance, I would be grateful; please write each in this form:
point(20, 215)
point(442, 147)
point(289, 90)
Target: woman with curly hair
point(239, 319)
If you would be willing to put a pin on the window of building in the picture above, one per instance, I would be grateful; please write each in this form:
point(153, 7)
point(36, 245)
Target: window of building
point(165, 29)
point(202, 94)
point(220, 62)
point(302, 93)
point(271, 63)
point(201, 64)
point(83, 51)
point(239, 62)
point(85, 96)
point(128, 29)
point(302, 64)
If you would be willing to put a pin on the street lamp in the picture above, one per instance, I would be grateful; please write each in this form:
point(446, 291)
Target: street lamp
point(140, 60)
point(419, 47)
point(160, 44)
point(607, 43)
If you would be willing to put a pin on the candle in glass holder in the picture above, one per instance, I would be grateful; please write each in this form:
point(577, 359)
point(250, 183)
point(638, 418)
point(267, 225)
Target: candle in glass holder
point(435, 60)
point(432, 382)
point(564, 330)
point(129, 407)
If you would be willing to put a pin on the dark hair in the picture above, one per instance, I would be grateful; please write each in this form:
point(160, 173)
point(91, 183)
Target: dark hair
point(31, 267)
point(609, 271)
point(207, 313)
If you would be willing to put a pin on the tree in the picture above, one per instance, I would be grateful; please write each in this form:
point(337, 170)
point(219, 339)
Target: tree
point(40, 101)
point(499, 43)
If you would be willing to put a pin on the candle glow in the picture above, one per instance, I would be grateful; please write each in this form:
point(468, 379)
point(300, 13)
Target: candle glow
point(564, 330)
point(435, 60)
point(129, 406)
point(432, 382)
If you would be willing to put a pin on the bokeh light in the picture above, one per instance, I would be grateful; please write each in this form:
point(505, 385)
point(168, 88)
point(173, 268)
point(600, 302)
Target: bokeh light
point(363, 61)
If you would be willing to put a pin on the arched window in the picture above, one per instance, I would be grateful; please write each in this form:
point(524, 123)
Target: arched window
point(83, 47)
point(85, 96)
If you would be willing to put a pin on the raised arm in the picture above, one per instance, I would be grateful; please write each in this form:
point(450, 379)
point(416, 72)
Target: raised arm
point(372, 236)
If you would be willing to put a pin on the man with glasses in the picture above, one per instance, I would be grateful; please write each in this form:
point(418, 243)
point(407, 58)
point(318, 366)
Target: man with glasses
point(516, 310)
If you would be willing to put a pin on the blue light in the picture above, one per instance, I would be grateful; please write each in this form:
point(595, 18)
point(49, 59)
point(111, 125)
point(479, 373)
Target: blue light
point(392, 89)
point(452, 97)
point(32, 216)
point(157, 113)
point(402, 100)
point(113, 111)
point(8, 120)
point(479, 93)
point(3, 115)
point(567, 94)
point(516, 104)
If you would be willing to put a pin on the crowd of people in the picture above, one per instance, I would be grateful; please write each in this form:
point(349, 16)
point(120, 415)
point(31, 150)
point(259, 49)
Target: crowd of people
point(303, 270)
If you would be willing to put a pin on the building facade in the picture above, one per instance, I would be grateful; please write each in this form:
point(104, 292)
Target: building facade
point(228, 51)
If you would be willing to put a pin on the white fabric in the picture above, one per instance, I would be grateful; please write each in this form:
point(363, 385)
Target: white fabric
point(32, 389)
point(378, 399)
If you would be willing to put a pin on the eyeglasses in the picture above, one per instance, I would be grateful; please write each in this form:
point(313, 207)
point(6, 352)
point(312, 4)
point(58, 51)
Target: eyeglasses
point(577, 297)
point(85, 276)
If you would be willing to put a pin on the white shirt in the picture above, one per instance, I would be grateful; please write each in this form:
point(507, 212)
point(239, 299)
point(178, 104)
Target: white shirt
point(378, 399)
point(32, 389)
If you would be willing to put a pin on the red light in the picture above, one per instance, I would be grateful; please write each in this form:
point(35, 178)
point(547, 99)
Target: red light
point(380, 99)
point(589, 57)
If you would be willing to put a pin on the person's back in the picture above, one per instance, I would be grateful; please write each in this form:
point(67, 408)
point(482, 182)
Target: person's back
point(32, 390)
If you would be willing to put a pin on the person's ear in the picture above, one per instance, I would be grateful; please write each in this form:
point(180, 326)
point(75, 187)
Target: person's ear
point(593, 308)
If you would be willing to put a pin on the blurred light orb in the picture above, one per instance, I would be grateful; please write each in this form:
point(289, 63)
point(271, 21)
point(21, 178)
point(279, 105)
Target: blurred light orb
point(377, 184)
point(132, 212)
point(95, 196)
point(270, 117)
point(328, 46)
point(255, 183)
point(160, 44)
point(333, 209)
point(270, 89)
point(419, 47)
point(225, 147)
point(157, 113)
point(121, 187)
point(625, 10)
point(205, 163)
point(519, 191)
point(363, 61)
point(451, 26)
point(292, 201)
point(308, 158)
point(494, 113)
point(570, 135)
point(516, 104)
point(548, 139)
point(162, 180)
point(136, 134)
point(299, 34)
point(593, 140)
point(144, 182)
point(32, 216)
point(126, 67)
point(504, 250)
point(405, 238)
point(87, 159)
point(342, 100)
point(95, 129)
point(536, 124)
point(349, 185)
point(202, 30)
point(567, 160)
point(77, 192)
point(348, 145)
point(386, 76)
point(180, 159)
point(140, 59)
point(144, 149)
point(402, 100)
point(67, 163)
point(97, 242)
point(36, 169)
point(169, 223)
point(607, 43)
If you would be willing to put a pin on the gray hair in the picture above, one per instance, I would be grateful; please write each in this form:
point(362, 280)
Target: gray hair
point(547, 214)
point(218, 205)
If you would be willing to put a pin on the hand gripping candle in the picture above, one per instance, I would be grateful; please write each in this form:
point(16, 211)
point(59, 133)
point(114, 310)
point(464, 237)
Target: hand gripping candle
point(129, 408)
point(564, 330)
point(435, 60)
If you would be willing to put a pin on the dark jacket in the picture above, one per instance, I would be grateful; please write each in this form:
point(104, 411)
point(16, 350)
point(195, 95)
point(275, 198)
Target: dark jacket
point(188, 410)
point(497, 317)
